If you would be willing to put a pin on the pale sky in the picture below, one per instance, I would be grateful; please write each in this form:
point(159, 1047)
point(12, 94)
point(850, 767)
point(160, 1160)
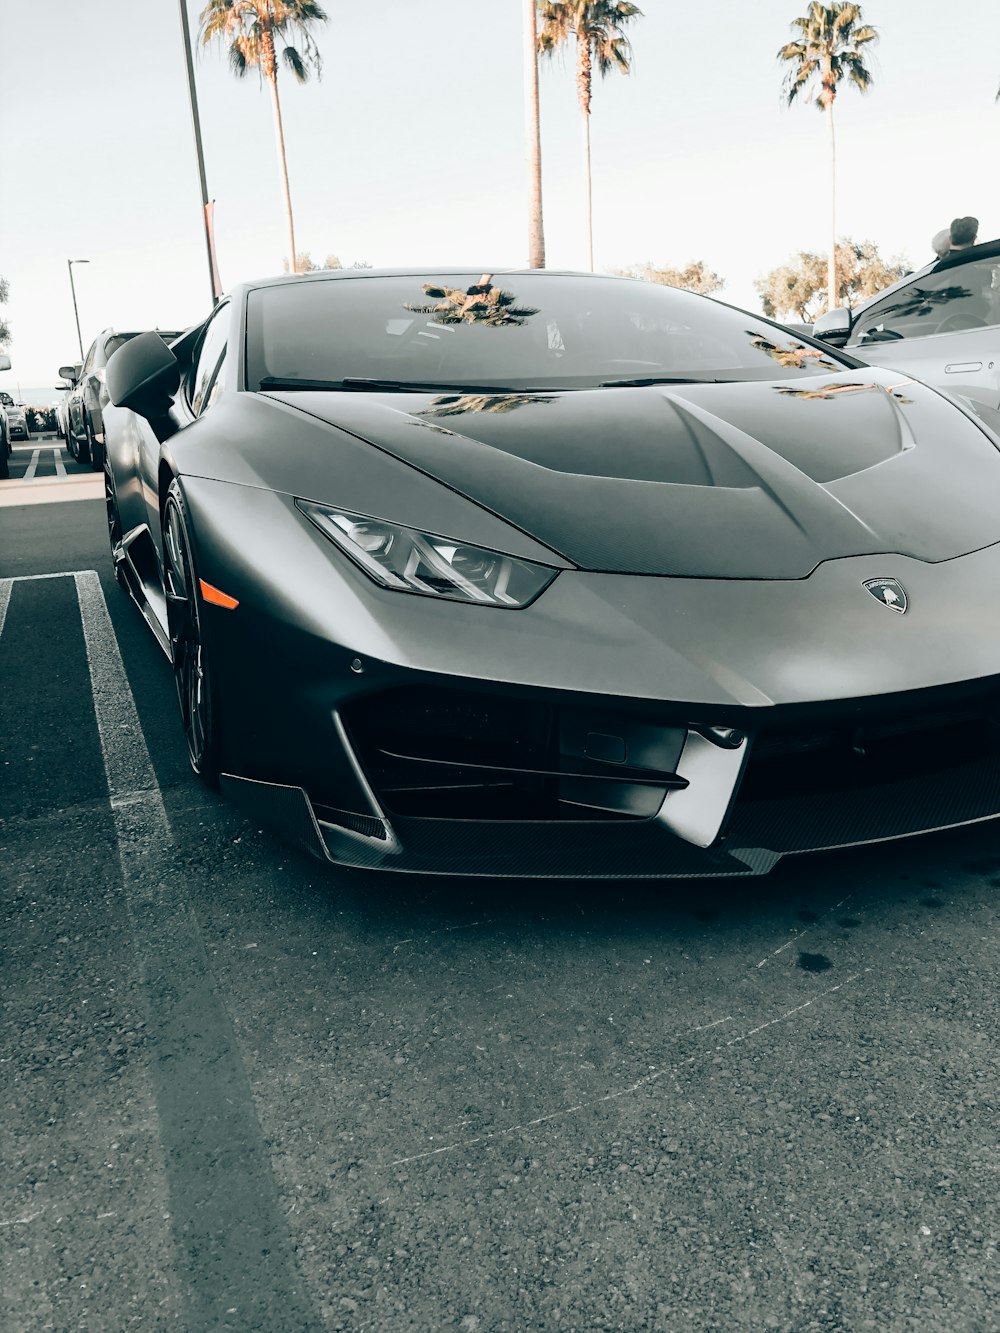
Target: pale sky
point(410, 150)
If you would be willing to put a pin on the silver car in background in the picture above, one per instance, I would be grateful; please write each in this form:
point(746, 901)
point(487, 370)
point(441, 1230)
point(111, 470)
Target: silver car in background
point(940, 324)
point(17, 421)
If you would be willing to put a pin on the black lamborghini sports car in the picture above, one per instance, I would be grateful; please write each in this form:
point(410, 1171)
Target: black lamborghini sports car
point(543, 574)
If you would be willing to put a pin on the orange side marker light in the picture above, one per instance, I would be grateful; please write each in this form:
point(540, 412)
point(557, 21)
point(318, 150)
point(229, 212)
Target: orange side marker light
point(217, 597)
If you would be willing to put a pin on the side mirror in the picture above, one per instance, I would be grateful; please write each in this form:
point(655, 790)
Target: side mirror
point(834, 327)
point(143, 375)
point(4, 361)
point(71, 373)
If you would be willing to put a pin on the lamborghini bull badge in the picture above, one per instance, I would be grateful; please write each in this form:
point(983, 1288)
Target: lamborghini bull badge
point(888, 592)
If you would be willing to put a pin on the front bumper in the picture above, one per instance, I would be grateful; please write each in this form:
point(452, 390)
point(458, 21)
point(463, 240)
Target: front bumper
point(866, 772)
point(586, 736)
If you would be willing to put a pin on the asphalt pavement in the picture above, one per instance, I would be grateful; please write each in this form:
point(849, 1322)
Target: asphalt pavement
point(243, 1091)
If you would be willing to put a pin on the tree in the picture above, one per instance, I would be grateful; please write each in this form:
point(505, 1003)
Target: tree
point(252, 29)
point(304, 263)
point(598, 27)
point(5, 334)
point(693, 277)
point(828, 50)
point(800, 287)
point(533, 137)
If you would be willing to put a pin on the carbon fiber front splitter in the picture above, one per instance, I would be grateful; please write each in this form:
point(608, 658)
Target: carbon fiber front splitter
point(760, 832)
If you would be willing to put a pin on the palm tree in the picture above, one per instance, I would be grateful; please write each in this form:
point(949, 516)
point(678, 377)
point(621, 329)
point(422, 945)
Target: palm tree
point(827, 51)
point(599, 29)
point(536, 235)
point(252, 28)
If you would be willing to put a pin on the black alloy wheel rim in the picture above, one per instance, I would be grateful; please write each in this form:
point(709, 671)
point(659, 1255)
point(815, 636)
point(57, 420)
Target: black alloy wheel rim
point(187, 649)
point(114, 528)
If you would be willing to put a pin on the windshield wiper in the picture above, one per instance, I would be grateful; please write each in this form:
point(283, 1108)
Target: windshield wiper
point(658, 379)
point(358, 384)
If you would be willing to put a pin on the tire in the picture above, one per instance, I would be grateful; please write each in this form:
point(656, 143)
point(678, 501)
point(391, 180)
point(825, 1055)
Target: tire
point(4, 463)
point(188, 650)
point(95, 449)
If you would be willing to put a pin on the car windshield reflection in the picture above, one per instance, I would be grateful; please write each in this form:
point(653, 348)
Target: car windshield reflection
point(491, 335)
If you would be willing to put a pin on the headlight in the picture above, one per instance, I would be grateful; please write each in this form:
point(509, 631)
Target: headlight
point(419, 562)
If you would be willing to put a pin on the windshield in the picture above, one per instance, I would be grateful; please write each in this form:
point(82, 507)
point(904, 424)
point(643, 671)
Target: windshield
point(512, 331)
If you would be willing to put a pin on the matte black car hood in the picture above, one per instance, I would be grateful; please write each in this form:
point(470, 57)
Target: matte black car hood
point(741, 480)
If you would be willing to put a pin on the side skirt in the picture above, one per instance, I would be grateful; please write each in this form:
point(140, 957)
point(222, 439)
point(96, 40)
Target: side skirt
point(135, 560)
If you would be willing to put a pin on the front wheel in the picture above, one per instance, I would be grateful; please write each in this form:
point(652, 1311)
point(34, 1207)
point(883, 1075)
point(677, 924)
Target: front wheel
point(187, 643)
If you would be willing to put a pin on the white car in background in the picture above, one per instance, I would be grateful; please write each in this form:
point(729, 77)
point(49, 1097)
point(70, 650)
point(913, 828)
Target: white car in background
point(940, 324)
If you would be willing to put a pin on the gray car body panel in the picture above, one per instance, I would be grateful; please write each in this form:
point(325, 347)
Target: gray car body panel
point(711, 643)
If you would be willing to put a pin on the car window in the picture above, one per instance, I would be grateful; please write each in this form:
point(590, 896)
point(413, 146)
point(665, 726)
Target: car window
point(529, 330)
point(209, 358)
point(88, 363)
point(115, 341)
point(216, 383)
point(966, 296)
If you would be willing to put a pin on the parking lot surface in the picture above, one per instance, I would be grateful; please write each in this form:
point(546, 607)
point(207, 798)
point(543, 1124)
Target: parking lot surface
point(244, 1091)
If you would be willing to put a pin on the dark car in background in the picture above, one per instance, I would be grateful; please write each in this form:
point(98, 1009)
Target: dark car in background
point(86, 401)
point(5, 445)
point(553, 574)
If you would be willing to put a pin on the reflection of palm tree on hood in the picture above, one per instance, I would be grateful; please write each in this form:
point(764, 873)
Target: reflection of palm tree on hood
point(453, 405)
point(795, 355)
point(839, 390)
point(482, 303)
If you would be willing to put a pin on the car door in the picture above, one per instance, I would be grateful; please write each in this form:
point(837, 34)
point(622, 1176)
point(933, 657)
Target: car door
point(943, 327)
point(76, 407)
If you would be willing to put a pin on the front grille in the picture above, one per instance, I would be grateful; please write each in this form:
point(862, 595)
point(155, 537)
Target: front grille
point(442, 754)
point(785, 763)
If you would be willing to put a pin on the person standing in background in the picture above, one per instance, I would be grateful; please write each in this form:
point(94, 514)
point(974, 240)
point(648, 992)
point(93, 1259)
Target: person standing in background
point(963, 233)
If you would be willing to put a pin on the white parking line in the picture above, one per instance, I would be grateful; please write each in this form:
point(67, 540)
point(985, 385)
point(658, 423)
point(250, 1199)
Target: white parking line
point(30, 473)
point(136, 801)
point(57, 459)
point(135, 794)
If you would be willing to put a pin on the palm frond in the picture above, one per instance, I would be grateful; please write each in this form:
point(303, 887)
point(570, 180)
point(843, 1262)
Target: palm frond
point(294, 62)
point(827, 51)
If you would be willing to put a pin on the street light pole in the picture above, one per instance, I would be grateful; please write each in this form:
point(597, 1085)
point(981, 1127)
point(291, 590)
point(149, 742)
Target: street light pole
point(72, 287)
point(196, 122)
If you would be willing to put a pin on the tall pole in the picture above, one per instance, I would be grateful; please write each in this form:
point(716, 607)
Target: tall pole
point(196, 122)
point(72, 287)
point(536, 237)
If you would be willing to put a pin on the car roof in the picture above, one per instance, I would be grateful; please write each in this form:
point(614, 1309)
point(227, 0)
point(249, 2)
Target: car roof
point(475, 270)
